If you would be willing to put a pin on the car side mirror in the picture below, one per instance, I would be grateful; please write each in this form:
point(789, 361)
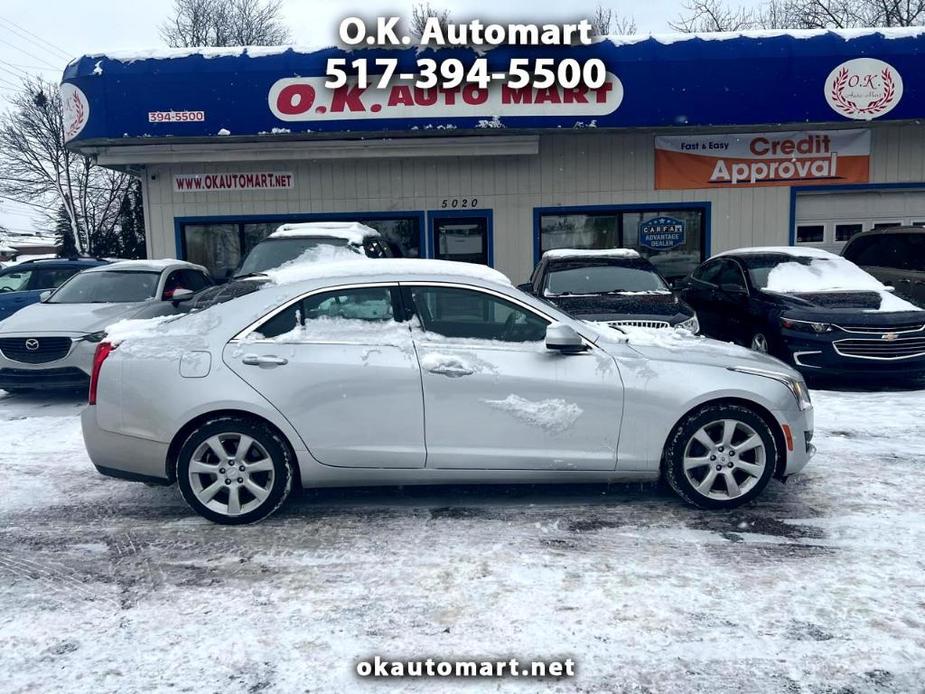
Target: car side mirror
point(43, 297)
point(526, 287)
point(179, 295)
point(564, 339)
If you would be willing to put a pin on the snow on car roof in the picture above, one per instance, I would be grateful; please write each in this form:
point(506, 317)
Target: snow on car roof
point(795, 251)
point(150, 264)
point(388, 268)
point(352, 232)
point(557, 253)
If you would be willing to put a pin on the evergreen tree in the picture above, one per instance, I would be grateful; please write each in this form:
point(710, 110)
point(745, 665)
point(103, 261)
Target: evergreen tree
point(132, 223)
point(64, 234)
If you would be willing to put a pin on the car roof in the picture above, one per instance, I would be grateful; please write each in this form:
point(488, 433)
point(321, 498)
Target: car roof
point(352, 232)
point(887, 230)
point(792, 251)
point(150, 265)
point(89, 262)
point(584, 253)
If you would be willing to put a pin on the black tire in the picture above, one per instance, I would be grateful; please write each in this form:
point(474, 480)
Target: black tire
point(262, 434)
point(682, 435)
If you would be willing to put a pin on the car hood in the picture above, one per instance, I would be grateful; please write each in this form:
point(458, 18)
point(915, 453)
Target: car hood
point(873, 308)
point(683, 347)
point(610, 307)
point(70, 318)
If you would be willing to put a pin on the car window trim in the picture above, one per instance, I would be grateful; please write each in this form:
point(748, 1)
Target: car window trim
point(243, 334)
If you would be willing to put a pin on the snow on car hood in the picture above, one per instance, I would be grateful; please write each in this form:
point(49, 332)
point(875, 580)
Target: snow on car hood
point(71, 318)
point(678, 345)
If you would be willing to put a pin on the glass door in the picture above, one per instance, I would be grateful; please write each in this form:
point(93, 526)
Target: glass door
point(463, 239)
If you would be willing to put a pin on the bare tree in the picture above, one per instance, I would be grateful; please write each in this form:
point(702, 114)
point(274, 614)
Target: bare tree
point(606, 21)
point(716, 15)
point(37, 169)
point(422, 12)
point(225, 23)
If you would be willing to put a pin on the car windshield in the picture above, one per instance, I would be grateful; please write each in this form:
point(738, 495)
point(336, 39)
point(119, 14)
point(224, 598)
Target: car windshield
point(272, 253)
point(807, 274)
point(14, 280)
point(603, 279)
point(107, 287)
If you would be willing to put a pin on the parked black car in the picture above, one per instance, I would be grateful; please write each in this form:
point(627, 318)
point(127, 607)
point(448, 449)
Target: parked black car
point(313, 241)
point(809, 308)
point(614, 286)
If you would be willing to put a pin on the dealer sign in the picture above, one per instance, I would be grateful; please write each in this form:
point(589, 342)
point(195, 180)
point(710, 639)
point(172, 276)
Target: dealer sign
point(762, 159)
point(661, 233)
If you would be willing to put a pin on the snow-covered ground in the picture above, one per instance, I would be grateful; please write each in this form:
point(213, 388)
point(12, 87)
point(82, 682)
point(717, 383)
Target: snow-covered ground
point(110, 586)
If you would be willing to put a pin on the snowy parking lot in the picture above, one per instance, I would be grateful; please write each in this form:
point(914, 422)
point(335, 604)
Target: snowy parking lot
point(818, 587)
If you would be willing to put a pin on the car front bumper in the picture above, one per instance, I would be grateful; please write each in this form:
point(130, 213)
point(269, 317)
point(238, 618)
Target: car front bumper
point(854, 356)
point(801, 426)
point(70, 371)
point(125, 457)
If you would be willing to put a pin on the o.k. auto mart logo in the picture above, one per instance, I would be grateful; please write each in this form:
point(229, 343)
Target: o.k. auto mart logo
point(76, 110)
point(863, 88)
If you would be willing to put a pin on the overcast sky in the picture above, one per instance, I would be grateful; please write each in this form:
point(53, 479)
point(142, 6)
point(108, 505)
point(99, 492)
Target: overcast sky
point(39, 36)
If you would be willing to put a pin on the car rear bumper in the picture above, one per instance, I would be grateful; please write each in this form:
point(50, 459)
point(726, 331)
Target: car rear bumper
point(125, 457)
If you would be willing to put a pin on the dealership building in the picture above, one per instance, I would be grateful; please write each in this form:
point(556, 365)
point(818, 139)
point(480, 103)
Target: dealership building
point(694, 144)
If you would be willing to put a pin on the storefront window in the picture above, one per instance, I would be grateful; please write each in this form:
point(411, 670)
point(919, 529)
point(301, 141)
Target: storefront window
point(221, 247)
point(671, 239)
point(217, 247)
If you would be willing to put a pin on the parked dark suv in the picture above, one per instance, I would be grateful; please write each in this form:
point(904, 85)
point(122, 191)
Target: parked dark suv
point(23, 283)
point(309, 242)
point(895, 256)
point(615, 286)
point(810, 308)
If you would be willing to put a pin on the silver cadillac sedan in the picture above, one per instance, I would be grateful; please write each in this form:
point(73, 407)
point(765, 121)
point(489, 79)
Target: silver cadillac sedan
point(430, 372)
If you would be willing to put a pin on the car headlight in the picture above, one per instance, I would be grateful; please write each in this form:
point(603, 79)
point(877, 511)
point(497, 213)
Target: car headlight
point(94, 337)
point(691, 324)
point(805, 326)
point(797, 386)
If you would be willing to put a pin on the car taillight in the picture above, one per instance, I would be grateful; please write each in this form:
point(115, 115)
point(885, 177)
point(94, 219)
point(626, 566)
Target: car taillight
point(103, 350)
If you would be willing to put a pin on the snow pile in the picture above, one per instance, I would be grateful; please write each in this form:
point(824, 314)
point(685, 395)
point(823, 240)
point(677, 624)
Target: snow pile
point(387, 268)
point(185, 324)
point(832, 273)
point(352, 232)
point(300, 268)
point(153, 264)
point(554, 415)
point(626, 253)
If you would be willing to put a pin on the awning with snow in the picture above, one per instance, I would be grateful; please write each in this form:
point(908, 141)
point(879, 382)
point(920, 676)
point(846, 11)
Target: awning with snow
point(752, 78)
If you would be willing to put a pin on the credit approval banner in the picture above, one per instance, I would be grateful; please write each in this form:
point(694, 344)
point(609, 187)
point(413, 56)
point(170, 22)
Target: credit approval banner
point(745, 160)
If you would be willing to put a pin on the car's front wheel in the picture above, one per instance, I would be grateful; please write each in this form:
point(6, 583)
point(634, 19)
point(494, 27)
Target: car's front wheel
point(720, 456)
point(234, 470)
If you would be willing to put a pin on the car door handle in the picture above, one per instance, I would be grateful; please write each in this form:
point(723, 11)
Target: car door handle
point(268, 360)
point(451, 371)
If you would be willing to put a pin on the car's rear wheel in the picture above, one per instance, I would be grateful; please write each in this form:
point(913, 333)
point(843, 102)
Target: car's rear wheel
point(234, 470)
point(720, 456)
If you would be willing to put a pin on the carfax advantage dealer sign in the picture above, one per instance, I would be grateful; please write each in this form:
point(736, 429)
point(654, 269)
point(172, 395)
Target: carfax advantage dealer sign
point(762, 159)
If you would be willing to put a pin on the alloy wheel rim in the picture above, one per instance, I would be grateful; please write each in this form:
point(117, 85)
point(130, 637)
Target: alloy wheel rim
point(724, 459)
point(760, 343)
point(231, 473)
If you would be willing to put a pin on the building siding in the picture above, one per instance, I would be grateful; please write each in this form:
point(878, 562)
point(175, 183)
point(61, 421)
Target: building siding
point(571, 169)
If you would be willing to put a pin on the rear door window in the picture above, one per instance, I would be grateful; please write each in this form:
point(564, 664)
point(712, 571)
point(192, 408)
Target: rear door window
point(335, 315)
